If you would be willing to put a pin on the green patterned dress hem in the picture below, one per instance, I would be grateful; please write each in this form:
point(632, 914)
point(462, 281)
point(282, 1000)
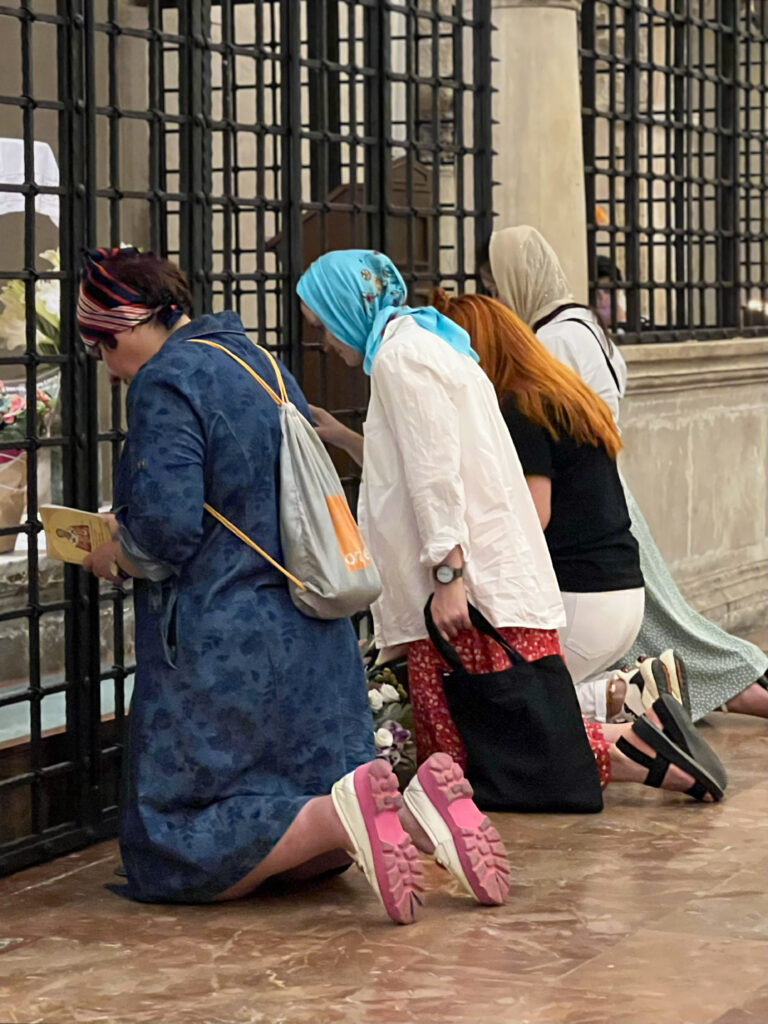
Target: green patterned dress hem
point(719, 665)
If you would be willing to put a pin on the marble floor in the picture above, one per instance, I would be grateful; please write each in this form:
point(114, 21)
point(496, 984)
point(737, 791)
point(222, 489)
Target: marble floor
point(653, 911)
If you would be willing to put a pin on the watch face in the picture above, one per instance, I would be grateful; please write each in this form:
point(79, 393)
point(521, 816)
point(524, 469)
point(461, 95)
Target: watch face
point(444, 574)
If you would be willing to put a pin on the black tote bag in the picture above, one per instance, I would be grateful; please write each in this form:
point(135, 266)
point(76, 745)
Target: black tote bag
point(527, 749)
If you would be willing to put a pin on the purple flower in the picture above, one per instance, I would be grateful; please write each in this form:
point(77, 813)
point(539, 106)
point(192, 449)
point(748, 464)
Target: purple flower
point(400, 734)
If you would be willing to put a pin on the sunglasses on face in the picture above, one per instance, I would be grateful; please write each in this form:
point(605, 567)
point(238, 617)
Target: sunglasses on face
point(94, 347)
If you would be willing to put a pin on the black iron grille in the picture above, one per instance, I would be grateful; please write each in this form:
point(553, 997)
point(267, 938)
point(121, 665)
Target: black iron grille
point(674, 120)
point(242, 139)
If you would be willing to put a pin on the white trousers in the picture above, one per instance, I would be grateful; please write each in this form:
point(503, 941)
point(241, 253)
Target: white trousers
point(600, 628)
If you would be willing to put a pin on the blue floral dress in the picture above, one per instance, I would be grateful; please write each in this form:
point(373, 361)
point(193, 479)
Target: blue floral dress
point(243, 708)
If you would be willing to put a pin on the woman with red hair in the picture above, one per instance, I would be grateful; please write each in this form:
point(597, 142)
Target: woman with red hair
point(567, 442)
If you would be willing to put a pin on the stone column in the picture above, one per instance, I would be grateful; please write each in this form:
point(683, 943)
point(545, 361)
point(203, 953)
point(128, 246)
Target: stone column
point(540, 166)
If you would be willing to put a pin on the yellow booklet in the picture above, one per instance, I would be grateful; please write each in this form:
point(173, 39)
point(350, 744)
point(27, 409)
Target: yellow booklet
point(70, 533)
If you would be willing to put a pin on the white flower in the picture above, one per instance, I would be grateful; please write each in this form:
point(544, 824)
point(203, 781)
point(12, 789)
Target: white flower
point(383, 739)
point(48, 295)
point(53, 257)
point(12, 300)
point(375, 700)
point(389, 693)
point(47, 307)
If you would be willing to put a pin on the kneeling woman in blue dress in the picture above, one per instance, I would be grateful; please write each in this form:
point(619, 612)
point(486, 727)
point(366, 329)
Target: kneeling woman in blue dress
point(249, 752)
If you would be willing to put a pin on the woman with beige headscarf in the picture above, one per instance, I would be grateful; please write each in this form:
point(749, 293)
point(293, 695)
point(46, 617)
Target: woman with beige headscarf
point(524, 272)
point(723, 671)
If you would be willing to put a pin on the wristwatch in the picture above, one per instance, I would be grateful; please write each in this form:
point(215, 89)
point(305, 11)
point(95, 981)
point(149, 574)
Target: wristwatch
point(446, 573)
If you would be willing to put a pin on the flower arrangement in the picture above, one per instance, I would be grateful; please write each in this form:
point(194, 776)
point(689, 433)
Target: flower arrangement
point(47, 308)
point(13, 411)
point(13, 394)
point(392, 721)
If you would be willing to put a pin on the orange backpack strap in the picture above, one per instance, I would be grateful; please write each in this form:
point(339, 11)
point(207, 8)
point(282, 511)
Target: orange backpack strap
point(252, 544)
point(276, 368)
point(278, 400)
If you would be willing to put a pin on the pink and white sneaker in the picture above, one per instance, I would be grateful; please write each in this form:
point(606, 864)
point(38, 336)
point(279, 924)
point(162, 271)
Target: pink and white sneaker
point(466, 843)
point(367, 801)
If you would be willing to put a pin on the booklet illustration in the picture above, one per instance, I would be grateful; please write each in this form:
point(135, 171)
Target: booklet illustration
point(70, 533)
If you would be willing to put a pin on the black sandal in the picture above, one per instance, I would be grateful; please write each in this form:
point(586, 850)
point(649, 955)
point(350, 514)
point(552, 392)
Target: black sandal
point(681, 730)
point(699, 765)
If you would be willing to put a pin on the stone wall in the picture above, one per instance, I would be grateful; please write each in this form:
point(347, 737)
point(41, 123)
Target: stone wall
point(695, 437)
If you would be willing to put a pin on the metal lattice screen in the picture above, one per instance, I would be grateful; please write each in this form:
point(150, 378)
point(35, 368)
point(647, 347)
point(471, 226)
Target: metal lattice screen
point(674, 117)
point(242, 139)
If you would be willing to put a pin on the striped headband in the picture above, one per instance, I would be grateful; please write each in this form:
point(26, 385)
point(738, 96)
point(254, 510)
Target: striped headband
point(107, 306)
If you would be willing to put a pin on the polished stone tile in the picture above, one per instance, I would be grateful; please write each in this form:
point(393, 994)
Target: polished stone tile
point(732, 915)
point(666, 977)
point(654, 911)
point(753, 1010)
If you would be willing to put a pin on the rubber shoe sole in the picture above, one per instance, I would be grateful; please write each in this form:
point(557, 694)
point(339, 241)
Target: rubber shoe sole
point(465, 841)
point(673, 669)
point(367, 801)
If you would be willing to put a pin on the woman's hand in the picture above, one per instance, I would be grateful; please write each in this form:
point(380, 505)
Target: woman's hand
point(103, 562)
point(332, 431)
point(449, 609)
point(329, 429)
point(112, 523)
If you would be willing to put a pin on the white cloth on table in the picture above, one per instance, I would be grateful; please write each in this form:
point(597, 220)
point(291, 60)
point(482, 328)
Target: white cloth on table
point(44, 173)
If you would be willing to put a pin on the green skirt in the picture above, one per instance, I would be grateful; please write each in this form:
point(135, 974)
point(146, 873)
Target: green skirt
point(718, 664)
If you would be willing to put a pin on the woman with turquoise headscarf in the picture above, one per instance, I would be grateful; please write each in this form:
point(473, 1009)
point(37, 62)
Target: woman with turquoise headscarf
point(358, 299)
point(444, 506)
point(378, 295)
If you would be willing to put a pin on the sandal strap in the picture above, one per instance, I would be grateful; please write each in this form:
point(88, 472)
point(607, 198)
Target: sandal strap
point(633, 753)
point(657, 766)
point(698, 791)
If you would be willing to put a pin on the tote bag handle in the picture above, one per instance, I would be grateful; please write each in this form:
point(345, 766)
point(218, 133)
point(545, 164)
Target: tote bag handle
point(480, 623)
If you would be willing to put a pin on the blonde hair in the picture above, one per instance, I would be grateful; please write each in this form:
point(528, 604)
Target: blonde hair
point(547, 392)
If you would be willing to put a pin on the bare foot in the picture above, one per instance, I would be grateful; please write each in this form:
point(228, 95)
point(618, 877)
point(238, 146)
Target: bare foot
point(751, 701)
point(624, 769)
point(418, 836)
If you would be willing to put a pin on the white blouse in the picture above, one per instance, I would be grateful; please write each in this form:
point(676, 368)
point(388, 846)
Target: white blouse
point(440, 470)
point(584, 347)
